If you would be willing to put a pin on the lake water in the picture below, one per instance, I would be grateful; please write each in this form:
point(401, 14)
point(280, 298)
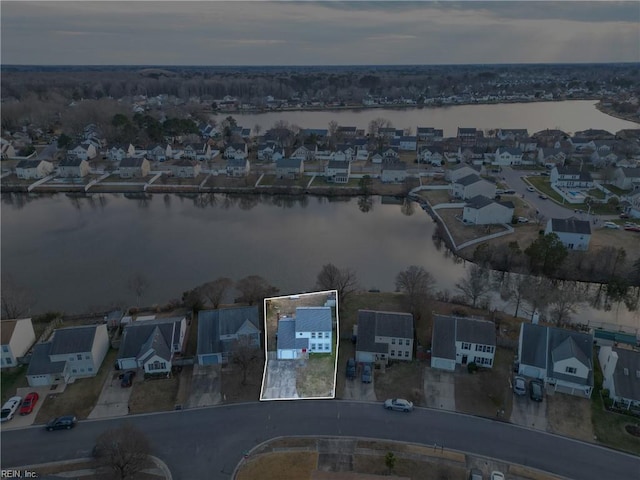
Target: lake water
point(569, 116)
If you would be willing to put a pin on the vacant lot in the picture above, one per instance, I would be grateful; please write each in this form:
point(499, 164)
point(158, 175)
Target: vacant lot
point(401, 379)
point(569, 416)
point(157, 395)
point(226, 181)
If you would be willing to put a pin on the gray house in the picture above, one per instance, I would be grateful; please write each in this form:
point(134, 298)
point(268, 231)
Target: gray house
point(458, 340)
point(309, 331)
point(621, 375)
point(219, 329)
point(384, 336)
point(289, 167)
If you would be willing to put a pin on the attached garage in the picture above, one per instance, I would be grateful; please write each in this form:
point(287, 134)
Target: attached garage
point(443, 363)
point(209, 359)
point(127, 363)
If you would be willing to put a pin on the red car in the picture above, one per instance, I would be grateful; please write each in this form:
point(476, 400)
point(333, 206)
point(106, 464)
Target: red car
point(28, 403)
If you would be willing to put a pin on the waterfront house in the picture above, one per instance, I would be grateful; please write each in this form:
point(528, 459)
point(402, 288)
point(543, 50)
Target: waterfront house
point(512, 133)
point(431, 154)
point(151, 344)
point(474, 155)
point(627, 178)
point(289, 168)
point(471, 186)
point(481, 210)
point(573, 233)
point(132, 167)
point(238, 167)
point(197, 151)
point(73, 167)
point(347, 132)
point(319, 134)
point(384, 336)
point(580, 144)
point(33, 169)
point(562, 359)
point(570, 176)
point(308, 331)
point(507, 156)
point(269, 152)
point(305, 152)
point(429, 134)
point(73, 352)
point(337, 171)
point(468, 136)
point(551, 156)
point(408, 143)
point(460, 341)
point(17, 336)
point(118, 152)
point(344, 153)
point(621, 375)
point(393, 172)
point(236, 150)
point(184, 168)
point(219, 330)
point(83, 151)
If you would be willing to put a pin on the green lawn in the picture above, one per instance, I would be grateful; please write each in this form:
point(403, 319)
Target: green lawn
point(595, 193)
point(542, 184)
point(616, 190)
point(321, 181)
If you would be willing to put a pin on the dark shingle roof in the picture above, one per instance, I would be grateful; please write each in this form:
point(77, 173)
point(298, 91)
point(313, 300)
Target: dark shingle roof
point(28, 163)
point(631, 172)
point(213, 324)
point(155, 344)
point(131, 162)
point(336, 164)
point(288, 163)
point(73, 340)
point(313, 319)
point(136, 334)
point(627, 385)
point(469, 179)
point(443, 342)
point(571, 225)
point(71, 162)
point(366, 341)
point(40, 363)
point(534, 345)
point(382, 324)
point(479, 201)
point(474, 330)
point(237, 162)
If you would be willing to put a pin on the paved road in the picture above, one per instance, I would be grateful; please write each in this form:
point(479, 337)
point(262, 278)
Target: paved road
point(208, 443)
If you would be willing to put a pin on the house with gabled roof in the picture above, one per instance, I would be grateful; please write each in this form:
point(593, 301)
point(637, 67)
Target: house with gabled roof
point(344, 153)
point(157, 153)
point(384, 336)
point(72, 352)
point(568, 176)
point(184, 168)
point(462, 170)
point(131, 167)
point(471, 186)
point(16, 336)
point(73, 167)
point(574, 234)
point(512, 133)
point(236, 150)
point(393, 172)
point(563, 359)
point(7, 150)
point(507, 156)
point(238, 167)
point(462, 340)
point(431, 154)
point(468, 136)
point(270, 152)
point(218, 330)
point(337, 171)
point(429, 134)
point(33, 169)
point(621, 375)
point(289, 168)
point(481, 210)
point(118, 152)
point(408, 143)
point(197, 151)
point(305, 152)
point(627, 178)
point(310, 330)
point(551, 156)
point(151, 344)
point(347, 132)
point(84, 151)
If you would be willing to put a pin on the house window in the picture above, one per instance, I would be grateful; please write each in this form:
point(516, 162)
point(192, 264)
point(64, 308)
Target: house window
point(71, 359)
point(89, 369)
point(407, 341)
point(393, 353)
point(327, 346)
point(466, 346)
point(313, 346)
point(74, 371)
point(79, 356)
point(313, 334)
point(478, 349)
point(82, 370)
point(406, 354)
point(327, 334)
point(393, 341)
point(86, 357)
point(571, 370)
point(8, 361)
point(5, 348)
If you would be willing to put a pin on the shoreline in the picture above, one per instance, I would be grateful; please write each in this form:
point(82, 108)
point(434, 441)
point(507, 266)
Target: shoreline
point(618, 115)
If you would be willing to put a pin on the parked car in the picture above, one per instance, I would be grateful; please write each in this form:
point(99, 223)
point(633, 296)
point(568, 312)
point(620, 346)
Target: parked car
point(536, 390)
point(611, 225)
point(126, 379)
point(531, 189)
point(509, 192)
point(66, 422)
point(399, 404)
point(519, 385)
point(9, 408)
point(475, 474)
point(543, 196)
point(29, 403)
point(351, 368)
point(366, 374)
point(496, 475)
point(624, 215)
point(523, 220)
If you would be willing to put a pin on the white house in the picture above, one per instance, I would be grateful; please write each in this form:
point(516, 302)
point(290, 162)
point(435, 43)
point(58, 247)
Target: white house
point(151, 344)
point(570, 177)
point(118, 152)
point(156, 153)
point(238, 167)
point(408, 143)
point(393, 172)
point(305, 152)
point(131, 167)
point(563, 359)
point(460, 341)
point(7, 151)
point(236, 150)
point(621, 375)
point(431, 154)
point(507, 156)
point(309, 331)
point(17, 336)
point(338, 172)
point(73, 167)
point(627, 178)
point(84, 151)
point(551, 156)
point(573, 233)
point(33, 169)
point(289, 168)
point(384, 336)
point(429, 134)
point(471, 186)
point(344, 153)
point(481, 210)
point(462, 170)
point(184, 168)
point(73, 352)
point(269, 152)
point(197, 151)
point(512, 133)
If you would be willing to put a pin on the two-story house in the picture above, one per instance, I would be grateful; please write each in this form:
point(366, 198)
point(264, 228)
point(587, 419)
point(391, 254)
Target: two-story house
point(185, 168)
point(408, 143)
point(118, 152)
point(236, 150)
point(507, 156)
point(574, 234)
point(156, 153)
point(462, 170)
point(238, 167)
point(310, 330)
point(17, 336)
point(393, 172)
point(84, 151)
point(429, 134)
point(305, 152)
point(627, 178)
point(621, 375)
point(468, 136)
point(74, 167)
point(551, 156)
point(33, 169)
point(481, 210)
point(270, 152)
point(431, 154)
point(132, 167)
point(384, 336)
point(337, 172)
point(462, 340)
point(570, 177)
point(471, 186)
point(289, 168)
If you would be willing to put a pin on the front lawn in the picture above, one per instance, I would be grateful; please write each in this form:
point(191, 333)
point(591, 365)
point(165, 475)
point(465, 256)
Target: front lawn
point(12, 379)
point(615, 190)
point(401, 379)
point(543, 185)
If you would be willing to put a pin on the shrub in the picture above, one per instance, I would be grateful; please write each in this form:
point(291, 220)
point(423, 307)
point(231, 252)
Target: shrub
point(472, 367)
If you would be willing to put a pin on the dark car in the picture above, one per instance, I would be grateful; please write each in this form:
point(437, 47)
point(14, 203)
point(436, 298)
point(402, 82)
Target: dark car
point(29, 403)
point(624, 215)
point(366, 374)
point(536, 390)
point(543, 196)
point(351, 368)
point(62, 423)
point(126, 379)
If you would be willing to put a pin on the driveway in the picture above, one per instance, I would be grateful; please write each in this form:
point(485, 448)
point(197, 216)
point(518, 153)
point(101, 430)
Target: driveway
point(528, 413)
point(439, 389)
point(280, 379)
point(114, 400)
point(205, 386)
point(20, 421)
point(356, 390)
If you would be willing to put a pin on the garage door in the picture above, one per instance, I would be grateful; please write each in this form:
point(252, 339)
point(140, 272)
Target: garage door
point(530, 372)
point(38, 380)
point(286, 354)
point(208, 359)
point(127, 363)
point(443, 364)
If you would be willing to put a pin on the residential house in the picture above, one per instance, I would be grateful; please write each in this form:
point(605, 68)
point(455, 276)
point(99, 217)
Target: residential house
point(33, 169)
point(551, 156)
point(563, 359)
point(157, 153)
point(431, 154)
point(347, 132)
point(319, 134)
point(408, 143)
point(471, 186)
point(305, 152)
point(7, 150)
point(573, 233)
point(344, 153)
point(474, 155)
point(580, 144)
point(460, 341)
point(627, 178)
point(481, 210)
point(570, 177)
point(238, 167)
point(132, 167)
point(384, 336)
point(73, 167)
point(595, 134)
point(337, 171)
point(151, 344)
point(507, 156)
point(219, 330)
point(269, 152)
point(73, 352)
point(512, 133)
point(621, 375)
point(198, 151)
point(289, 168)
point(118, 152)
point(16, 336)
point(393, 172)
point(84, 151)
point(429, 134)
point(386, 132)
point(184, 168)
point(468, 136)
point(462, 170)
point(309, 331)
point(362, 148)
point(527, 145)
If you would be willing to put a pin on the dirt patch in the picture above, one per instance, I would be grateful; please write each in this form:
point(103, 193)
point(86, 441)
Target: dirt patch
point(231, 383)
point(410, 468)
point(315, 377)
point(570, 416)
point(279, 466)
point(157, 395)
point(400, 379)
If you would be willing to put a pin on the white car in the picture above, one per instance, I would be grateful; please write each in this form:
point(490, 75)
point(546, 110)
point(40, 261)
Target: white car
point(398, 404)
point(519, 386)
point(611, 225)
point(531, 189)
point(496, 475)
point(10, 408)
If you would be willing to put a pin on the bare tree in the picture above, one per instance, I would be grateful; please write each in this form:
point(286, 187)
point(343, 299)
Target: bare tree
point(15, 299)
point(539, 293)
point(258, 129)
point(475, 285)
point(244, 352)
point(216, 291)
point(565, 299)
point(418, 285)
point(138, 284)
point(254, 288)
point(124, 450)
point(343, 280)
point(514, 289)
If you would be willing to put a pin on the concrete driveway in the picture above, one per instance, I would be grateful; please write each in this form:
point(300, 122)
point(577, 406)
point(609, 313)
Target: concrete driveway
point(205, 386)
point(21, 421)
point(280, 379)
point(439, 389)
point(114, 400)
point(528, 413)
point(356, 390)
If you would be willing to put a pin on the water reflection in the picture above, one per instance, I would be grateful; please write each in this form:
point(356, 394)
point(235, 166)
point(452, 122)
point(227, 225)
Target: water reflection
point(365, 203)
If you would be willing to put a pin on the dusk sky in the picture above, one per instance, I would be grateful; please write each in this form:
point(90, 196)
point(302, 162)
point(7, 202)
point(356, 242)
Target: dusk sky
point(318, 33)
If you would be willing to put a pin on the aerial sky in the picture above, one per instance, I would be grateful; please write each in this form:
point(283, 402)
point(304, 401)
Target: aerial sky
point(317, 33)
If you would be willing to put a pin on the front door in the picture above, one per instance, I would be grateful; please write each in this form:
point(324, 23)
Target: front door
point(464, 360)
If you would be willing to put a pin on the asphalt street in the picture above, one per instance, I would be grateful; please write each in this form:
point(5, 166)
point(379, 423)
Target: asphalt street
point(209, 442)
